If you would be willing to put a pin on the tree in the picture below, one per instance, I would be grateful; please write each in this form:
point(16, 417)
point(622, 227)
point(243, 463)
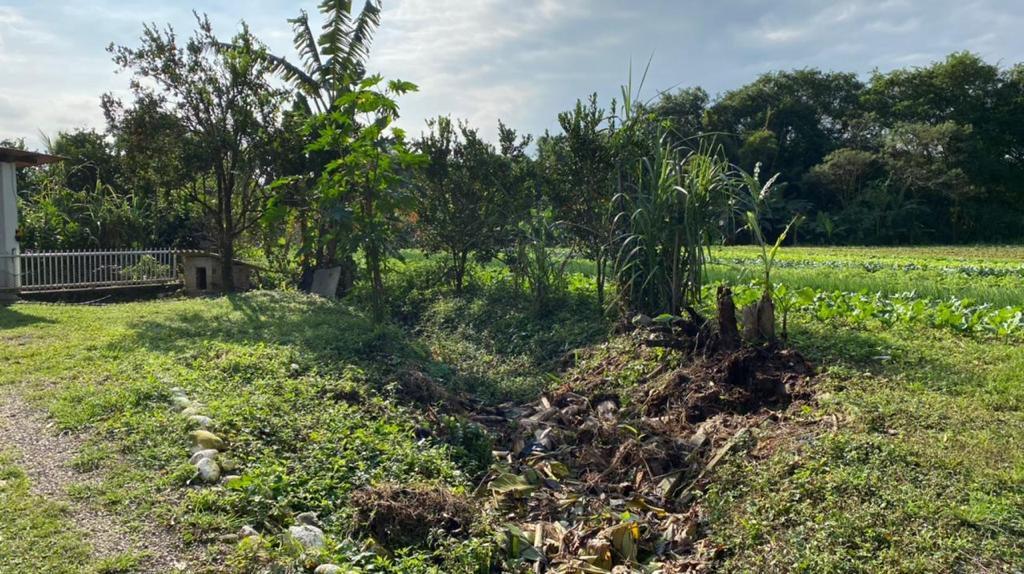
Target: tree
point(787, 121)
point(583, 191)
point(923, 164)
point(684, 111)
point(331, 65)
point(366, 181)
point(844, 173)
point(469, 195)
point(227, 112)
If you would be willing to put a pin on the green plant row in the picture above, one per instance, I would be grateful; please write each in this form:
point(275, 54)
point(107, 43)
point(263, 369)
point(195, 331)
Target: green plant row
point(876, 266)
point(960, 315)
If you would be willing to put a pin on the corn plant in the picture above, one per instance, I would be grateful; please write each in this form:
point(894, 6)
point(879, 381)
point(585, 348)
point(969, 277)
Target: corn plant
point(759, 317)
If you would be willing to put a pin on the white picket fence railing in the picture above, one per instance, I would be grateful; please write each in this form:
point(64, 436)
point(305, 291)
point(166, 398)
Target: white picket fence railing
point(71, 270)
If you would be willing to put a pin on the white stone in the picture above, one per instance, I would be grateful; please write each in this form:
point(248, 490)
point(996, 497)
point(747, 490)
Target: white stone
point(201, 421)
point(306, 536)
point(327, 569)
point(209, 453)
point(309, 518)
point(208, 470)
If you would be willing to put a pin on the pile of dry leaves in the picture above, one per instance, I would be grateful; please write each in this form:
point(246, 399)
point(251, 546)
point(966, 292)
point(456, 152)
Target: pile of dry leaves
point(598, 481)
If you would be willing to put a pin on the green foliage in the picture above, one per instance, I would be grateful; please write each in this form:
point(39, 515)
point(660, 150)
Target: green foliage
point(578, 172)
point(469, 196)
point(758, 195)
point(535, 262)
point(365, 182)
point(667, 222)
point(228, 113)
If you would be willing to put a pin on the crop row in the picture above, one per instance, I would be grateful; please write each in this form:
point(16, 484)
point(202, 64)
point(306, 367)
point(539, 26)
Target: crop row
point(875, 266)
point(960, 315)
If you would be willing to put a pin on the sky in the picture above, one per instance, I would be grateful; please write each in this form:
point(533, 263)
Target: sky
point(522, 61)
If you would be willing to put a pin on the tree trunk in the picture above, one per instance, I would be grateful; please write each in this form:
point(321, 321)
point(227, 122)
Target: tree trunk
point(728, 332)
point(227, 236)
point(766, 317)
point(459, 269)
point(227, 265)
point(376, 281)
point(601, 263)
point(759, 320)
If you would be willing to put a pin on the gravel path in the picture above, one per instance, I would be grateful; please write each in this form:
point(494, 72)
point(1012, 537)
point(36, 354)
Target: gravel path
point(46, 457)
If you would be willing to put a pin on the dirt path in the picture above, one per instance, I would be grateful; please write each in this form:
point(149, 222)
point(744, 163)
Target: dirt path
point(46, 457)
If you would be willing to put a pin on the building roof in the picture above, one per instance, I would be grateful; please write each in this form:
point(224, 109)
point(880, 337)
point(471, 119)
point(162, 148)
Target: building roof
point(195, 253)
point(22, 158)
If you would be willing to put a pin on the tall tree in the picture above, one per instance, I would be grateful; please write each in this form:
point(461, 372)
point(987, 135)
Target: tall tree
point(228, 112)
point(583, 195)
point(331, 65)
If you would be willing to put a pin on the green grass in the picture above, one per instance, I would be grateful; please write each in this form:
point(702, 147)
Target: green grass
point(922, 470)
point(922, 474)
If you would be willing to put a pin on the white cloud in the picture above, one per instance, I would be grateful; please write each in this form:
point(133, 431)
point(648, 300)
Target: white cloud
point(460, 54)
point(520, 60)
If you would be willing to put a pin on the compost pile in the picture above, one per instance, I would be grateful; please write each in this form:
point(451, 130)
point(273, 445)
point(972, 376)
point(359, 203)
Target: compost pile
point(595, 480)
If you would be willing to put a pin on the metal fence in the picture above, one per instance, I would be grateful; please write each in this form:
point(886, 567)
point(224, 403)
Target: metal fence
point(70, 270)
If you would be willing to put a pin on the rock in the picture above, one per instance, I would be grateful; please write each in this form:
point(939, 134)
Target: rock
point(180, 402)
point(247, 531)
point(208, 470)
point(228, 538)
point(606, 409)
point(200, 421)
point(178, 392)
point(309, 518)
point(228, 464)
point(642, 321)
point(231, 478)
point(209, 453)
point(328, 569)
point(306, 536)
point(207, 439)
point(194, 409)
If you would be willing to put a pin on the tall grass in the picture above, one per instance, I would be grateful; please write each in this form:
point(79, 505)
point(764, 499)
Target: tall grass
point(667, 220)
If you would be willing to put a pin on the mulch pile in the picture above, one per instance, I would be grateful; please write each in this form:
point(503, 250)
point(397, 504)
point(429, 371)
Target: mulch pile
point(595, 481)
point(592, 477)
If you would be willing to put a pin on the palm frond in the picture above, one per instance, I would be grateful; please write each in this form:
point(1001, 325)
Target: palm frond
point(362, 35)
point(337, 29)
point(306, 46)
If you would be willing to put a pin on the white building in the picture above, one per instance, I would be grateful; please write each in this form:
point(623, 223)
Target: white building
point(10, 270)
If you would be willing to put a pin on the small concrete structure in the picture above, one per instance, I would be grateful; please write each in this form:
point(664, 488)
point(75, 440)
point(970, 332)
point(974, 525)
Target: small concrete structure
point(202, 273)
point(325, 282)
point(10, 264)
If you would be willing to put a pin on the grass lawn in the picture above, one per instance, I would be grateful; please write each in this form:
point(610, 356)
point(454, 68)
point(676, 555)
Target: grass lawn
point(912, 458)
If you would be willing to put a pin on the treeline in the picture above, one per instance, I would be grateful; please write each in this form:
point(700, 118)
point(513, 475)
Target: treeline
point(212, 152)
point(931, 154)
